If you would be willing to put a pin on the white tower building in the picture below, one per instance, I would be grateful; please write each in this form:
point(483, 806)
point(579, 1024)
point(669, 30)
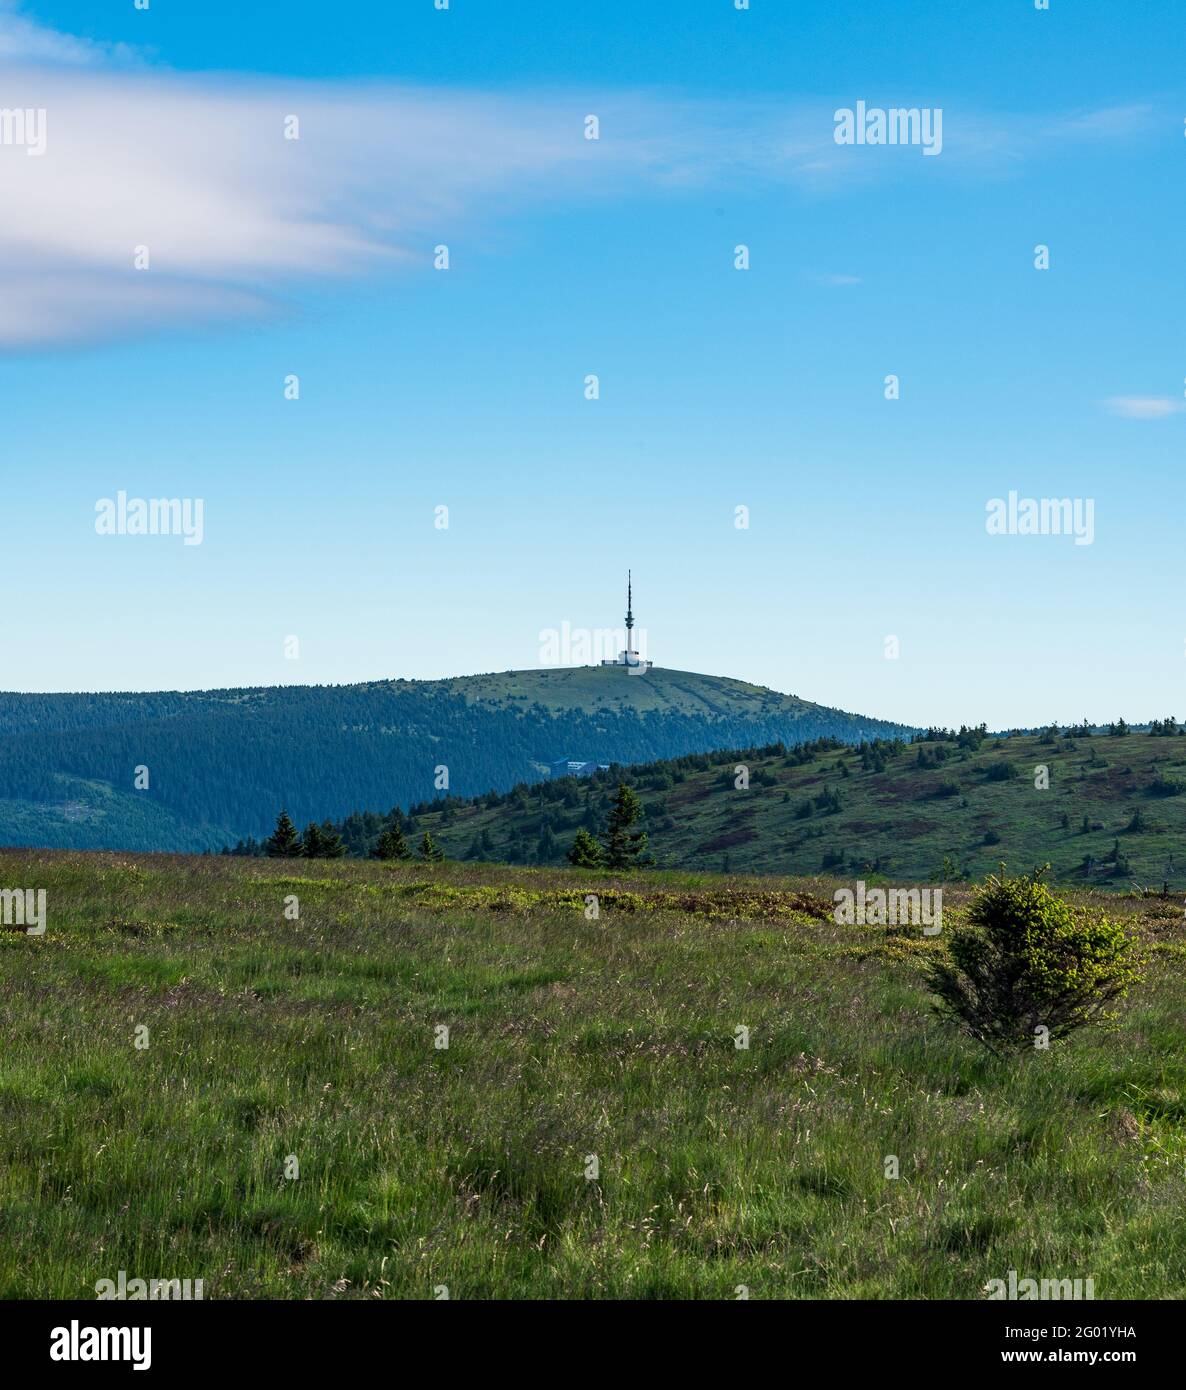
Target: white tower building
point(630, 658)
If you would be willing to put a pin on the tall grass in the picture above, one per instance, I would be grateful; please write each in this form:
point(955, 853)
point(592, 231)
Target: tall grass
point(718, 1167)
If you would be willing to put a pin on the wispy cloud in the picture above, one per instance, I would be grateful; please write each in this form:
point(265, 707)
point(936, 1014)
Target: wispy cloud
point(1144, 407)
point(1110, 121)
point(24, 40)
point(235, 216)
point(232, 213)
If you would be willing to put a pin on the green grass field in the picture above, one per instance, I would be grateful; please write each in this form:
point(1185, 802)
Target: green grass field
point(466, 1167)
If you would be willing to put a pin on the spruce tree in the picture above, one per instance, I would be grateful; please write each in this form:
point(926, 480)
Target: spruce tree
point(332, 844)
point(392, 845)
point(1028, 961)
point(545, 848)
point(430, 852)
point(585, 852)
point(624, 846)
point(284, 842)
point(312, 843)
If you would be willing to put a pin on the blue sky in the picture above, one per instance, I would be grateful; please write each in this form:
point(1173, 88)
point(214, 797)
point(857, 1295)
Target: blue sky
point(719, 388)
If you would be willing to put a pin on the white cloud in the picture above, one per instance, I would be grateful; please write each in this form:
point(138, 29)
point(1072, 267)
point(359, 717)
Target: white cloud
point(199, 172)
point(235, 216)
point(1144, 407)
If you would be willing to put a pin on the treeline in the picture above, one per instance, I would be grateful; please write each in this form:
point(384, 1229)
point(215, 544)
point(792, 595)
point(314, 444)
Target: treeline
point(360, 835)
point(542, 817)
point(324, 842)
point(229, 758)
point(622, 843)
point(963, 737)
point(1163, 728)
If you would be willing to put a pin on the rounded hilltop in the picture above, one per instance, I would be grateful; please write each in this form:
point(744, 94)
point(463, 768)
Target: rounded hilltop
point(620, 687)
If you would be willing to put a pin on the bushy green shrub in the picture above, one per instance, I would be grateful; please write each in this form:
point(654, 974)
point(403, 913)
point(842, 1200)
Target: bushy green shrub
point(1028, 960)
point(1000, 772)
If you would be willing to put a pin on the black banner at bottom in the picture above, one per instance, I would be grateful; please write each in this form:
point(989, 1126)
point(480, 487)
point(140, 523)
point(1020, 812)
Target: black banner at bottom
point(169, 1339)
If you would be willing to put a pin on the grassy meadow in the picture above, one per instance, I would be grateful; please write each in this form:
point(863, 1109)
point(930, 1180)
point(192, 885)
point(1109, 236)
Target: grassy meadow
point(1113, 812)
point(466, 1166)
